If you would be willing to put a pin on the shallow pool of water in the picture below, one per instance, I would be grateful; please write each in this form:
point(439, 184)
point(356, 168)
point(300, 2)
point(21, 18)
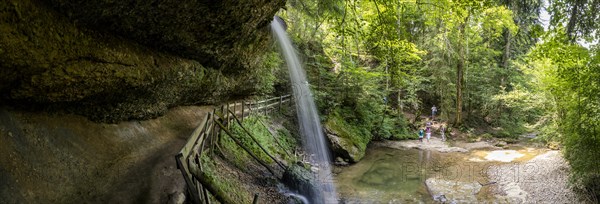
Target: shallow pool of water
point(387, 175)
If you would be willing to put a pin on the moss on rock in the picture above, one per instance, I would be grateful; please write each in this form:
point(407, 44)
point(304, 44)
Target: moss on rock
point(221, 34)
point(346, 141)
point(49, 61)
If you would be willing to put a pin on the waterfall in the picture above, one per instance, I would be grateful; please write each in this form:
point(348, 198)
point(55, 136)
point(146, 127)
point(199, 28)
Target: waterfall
point(308, 118)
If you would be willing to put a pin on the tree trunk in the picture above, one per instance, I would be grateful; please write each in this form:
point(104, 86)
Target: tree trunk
point(459, 93)
point(574, 15)
point(505, 65)
point(506, 55)
point(460, 74)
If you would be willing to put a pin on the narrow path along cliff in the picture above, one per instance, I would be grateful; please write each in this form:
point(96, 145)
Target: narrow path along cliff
point(65, 158)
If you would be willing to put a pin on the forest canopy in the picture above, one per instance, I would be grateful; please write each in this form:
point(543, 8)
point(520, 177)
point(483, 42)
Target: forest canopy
point(492, 66)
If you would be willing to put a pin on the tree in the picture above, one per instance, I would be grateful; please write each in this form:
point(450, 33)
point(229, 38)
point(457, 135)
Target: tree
point(582, 18)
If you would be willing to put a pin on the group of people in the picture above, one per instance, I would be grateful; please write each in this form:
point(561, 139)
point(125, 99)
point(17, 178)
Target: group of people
point(428, 127)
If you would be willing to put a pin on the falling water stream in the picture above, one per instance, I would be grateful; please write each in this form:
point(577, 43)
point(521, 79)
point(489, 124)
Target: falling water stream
point(308, 117)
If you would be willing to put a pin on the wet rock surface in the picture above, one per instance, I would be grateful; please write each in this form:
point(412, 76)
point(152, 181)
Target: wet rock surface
point(300, 180)
point(453, 191)
point(221, 34)
point(344, 149)
point(123, 60)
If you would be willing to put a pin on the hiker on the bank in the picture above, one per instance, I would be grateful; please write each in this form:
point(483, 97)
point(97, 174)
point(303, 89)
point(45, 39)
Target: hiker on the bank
point(421, 135)
point(428, 133)
point(443, 133)
point(433, 112)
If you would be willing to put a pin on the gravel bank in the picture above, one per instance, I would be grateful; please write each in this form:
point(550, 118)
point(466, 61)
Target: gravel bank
point(543, 179)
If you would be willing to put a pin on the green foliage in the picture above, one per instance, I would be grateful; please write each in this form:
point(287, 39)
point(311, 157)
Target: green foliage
point(224, 181)
point(277, 147)
point(581, 18)
point(271, 64)
point(357, 135)
point(395, 128)
point(566, 78)
point(411, 53)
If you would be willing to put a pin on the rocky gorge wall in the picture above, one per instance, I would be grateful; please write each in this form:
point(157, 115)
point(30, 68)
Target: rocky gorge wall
point(121, 60)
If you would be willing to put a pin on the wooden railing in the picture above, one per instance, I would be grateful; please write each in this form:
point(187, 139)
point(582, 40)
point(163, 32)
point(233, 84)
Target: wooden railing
point(205, 137)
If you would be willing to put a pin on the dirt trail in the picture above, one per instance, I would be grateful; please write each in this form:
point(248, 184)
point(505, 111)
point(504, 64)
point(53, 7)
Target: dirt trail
point(65, 158)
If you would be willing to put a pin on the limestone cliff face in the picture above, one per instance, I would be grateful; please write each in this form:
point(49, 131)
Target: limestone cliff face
point(119, 60)
point(217, 33)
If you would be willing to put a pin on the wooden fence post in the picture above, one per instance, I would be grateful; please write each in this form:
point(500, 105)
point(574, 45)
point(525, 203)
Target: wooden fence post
point(250, 109)
point(226, 112)
point(255, 201)
point(235, 108)
point(243, 111)
point(280, 102)
point(212, 135)
point(188, 180)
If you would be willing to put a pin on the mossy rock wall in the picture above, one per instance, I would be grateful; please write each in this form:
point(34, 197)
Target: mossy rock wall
point(223, 34)
point(85, 63)
point(347, 142)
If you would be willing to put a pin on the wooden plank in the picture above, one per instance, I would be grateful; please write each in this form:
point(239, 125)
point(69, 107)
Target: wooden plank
point(268, 106)
point(194, 137)
point(270, 99)
point(266, 100)
point(188, 179)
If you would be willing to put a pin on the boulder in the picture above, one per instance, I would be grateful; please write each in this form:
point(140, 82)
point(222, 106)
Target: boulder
point(453, 191)
point(344, 148)
point(553, 145)
point(501, 144)
point(301, 180)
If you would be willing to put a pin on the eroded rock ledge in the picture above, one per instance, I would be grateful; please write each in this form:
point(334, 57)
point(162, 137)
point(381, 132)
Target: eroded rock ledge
point(121, 60)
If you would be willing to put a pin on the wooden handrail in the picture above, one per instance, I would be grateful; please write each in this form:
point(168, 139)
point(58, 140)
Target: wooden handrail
point(209, 128)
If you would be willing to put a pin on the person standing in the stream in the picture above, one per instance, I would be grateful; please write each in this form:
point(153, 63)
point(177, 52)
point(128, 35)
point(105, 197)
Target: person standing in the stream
point(421, 135)
point(433, 112)
point(428, 133)
point(443, 133)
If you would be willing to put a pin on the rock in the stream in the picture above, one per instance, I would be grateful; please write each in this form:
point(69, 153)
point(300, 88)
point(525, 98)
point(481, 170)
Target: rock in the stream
point(344, 148)
point(501, 144)
point(301, 180)
point(453, 191)
point(341, 162)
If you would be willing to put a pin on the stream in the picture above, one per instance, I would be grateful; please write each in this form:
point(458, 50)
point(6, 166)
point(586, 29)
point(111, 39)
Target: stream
point(409, 175)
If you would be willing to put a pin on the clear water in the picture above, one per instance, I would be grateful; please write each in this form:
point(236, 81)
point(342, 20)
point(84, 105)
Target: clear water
point(308, 117)
point(387, 175)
